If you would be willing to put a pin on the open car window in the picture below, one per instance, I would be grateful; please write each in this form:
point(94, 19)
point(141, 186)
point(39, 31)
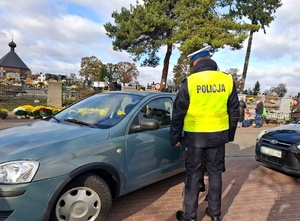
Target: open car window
point(159, 109)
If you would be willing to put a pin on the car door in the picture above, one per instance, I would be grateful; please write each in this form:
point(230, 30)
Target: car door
point(149, 156)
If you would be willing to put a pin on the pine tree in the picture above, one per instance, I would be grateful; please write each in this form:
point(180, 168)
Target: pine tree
point(258, 12)
point(143, 29)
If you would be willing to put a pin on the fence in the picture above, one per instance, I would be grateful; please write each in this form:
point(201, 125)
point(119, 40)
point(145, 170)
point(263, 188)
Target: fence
point(274, 118)
point(18, 95)
point(278, 116)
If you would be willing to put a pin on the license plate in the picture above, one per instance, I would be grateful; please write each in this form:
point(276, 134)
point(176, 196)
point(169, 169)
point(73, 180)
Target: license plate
point(270, 152)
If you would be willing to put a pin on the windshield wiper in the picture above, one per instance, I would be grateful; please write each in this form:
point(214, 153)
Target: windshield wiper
point(55, 119)
point(81, 123)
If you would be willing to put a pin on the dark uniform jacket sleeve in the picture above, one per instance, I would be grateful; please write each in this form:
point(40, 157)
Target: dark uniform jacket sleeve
point(233, 112)
point(180, 107)
point(295, 111)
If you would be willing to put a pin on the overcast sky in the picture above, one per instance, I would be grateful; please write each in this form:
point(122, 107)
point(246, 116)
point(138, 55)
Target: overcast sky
point(53, 35)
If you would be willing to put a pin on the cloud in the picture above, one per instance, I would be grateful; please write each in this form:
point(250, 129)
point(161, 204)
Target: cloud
point(274, 56)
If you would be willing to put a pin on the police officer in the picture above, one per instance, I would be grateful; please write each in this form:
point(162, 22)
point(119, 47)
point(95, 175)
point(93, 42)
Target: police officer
point(206, 108)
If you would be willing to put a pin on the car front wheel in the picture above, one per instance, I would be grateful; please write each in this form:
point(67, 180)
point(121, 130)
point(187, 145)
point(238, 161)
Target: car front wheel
point(86, 198)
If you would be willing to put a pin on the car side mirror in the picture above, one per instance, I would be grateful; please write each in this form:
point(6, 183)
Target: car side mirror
point(149, 124)
point(145, 125)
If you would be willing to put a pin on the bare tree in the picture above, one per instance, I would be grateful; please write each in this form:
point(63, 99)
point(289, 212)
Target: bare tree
point(236, 78)
point(280, 89)
point(126, 72)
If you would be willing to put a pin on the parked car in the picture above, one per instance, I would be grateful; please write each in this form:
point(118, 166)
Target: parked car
point(70, 166)
point(279, 148)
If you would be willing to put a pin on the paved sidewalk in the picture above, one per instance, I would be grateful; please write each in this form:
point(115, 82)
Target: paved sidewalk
point(11, 121)
point(251, 192)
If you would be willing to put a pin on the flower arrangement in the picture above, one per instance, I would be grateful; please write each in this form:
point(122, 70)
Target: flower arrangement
point(3, 113)
point(31, 114)
point(28, 108)
point(19, 111)
point(120, 112)
point(4, 83)
point(93, 111)
point(56, 110)
point(35, 111)
point(45, 111)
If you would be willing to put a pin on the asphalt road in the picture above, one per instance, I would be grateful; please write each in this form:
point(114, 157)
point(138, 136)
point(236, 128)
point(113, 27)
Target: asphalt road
point(244, 142)
point(11, 121)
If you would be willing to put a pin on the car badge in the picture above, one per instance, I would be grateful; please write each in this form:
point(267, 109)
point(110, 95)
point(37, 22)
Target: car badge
point(273, 141)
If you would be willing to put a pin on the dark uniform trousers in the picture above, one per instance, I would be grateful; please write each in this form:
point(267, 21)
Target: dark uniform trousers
point(214, 161)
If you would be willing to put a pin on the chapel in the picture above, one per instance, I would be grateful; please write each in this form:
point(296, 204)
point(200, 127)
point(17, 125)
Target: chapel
point(12, 65)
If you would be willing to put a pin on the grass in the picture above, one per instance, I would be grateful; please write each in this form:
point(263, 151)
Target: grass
point(11, 103)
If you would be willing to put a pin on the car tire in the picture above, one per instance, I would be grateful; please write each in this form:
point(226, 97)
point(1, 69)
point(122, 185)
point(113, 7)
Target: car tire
point(87, 197)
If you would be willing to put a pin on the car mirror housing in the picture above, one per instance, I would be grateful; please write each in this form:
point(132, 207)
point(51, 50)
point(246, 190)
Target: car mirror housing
point(149, 124)
point(145, 125)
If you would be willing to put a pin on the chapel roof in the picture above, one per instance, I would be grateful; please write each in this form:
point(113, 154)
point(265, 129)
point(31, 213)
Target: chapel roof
point(11, 59)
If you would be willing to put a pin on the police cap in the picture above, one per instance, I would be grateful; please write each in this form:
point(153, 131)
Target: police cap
point(200, 53)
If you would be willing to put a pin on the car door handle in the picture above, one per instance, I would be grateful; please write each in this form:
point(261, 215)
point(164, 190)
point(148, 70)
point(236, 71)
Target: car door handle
point(119, 151)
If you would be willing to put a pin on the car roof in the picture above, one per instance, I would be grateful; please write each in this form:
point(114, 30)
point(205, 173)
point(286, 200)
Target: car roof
point(142, 93)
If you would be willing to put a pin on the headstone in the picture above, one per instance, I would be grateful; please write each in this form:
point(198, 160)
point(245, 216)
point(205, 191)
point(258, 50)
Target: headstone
point(285, 105)
point(54, 94)
point(2, 72)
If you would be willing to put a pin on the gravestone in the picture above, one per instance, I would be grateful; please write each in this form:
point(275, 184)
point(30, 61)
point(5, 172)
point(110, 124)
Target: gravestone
point(55, 93)
point(285, 105)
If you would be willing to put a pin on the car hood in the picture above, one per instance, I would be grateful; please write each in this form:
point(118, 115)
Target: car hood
point(289, 133)
point(43, 138)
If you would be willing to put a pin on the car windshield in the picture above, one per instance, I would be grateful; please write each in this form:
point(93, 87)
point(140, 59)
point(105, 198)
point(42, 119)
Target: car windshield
point(101, 110)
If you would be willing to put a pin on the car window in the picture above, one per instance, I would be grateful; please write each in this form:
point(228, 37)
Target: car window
point(159, 109)
point(103, 111)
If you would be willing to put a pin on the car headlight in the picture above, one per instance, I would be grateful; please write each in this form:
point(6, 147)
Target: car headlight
point(298, 146)
point(261, 133)
point(18, 171)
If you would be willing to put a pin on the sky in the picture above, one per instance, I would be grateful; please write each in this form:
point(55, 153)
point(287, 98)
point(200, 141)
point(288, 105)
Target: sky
point(53, 35)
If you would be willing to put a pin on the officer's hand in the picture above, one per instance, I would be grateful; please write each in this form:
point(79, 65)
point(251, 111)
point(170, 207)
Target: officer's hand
point(178, 144)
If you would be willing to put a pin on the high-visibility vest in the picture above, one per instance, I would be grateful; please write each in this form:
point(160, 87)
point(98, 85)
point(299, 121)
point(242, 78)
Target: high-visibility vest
point(209, 92)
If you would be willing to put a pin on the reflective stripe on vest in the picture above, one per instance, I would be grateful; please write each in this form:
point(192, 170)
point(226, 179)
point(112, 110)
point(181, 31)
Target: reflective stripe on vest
point(209, 92)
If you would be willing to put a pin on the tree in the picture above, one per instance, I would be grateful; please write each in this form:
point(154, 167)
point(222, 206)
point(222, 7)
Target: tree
point(73, 76)
point(126, 72)
point(258, 12)
point(210, 24)
point(266, 92)
point(256, 88)
point(110, 69)
point(181, 70)
point(236, 78)
point(248, 91)
point(91, 68)
point(142, 30)
point(280, 90)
